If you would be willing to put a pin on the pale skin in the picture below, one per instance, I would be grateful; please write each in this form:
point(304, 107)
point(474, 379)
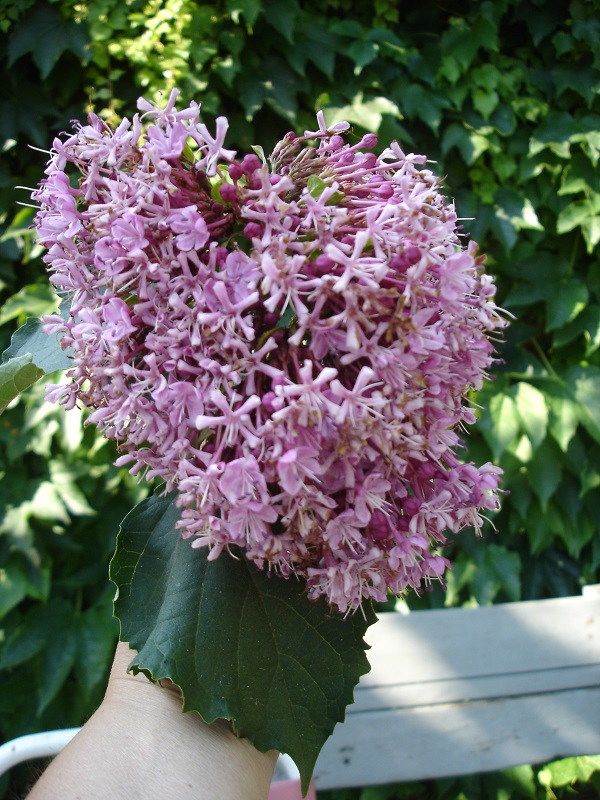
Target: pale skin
point(138, 744)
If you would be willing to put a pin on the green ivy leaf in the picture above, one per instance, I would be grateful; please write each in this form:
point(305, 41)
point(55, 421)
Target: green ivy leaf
point(362, 52)
point(282, 16)
point(544, 473)
point(584, 214)
point(318, 45)
point(485, 102)
point(98, 633)
point(587, 325)
point(242, 645)
point(576, 78)
point(47, 35)
point(564, 418)
point(58, 659)
point(513, 213)
point(563, 305)
point(36, 629)
point(590, 479)
point(555, 133)
point(500, 423)
point(417, 102)
point(64, 476)
point(585, 384)
point(540, 529)
point(498, 569)
point(532, 411)
point(569, 770)
point(13, 585)
point(251, 9)
point(363, 112)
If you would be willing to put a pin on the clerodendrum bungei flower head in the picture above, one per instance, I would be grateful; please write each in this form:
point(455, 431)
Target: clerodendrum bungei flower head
point(288, 343)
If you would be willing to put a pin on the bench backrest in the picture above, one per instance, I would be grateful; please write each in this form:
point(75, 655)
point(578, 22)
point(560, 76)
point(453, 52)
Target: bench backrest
point(466, 690)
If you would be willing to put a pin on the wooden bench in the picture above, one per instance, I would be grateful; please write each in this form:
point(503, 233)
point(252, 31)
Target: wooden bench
point(466, 690)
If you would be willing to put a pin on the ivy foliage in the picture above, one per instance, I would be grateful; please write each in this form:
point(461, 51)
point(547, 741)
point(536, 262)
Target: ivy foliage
point(503, 95)
point(565, 779)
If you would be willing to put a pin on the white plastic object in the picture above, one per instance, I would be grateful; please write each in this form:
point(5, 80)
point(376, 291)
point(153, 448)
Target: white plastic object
point(34, 745)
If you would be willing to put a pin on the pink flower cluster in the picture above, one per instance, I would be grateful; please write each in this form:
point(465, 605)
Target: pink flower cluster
point(289, 343)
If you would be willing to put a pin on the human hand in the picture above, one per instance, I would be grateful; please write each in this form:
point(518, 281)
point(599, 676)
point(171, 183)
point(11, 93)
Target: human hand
point(139, 744)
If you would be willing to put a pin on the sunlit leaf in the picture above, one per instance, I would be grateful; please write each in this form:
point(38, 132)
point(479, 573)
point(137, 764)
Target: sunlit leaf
point(532, 411)
point(569, 770)
point(16, 376)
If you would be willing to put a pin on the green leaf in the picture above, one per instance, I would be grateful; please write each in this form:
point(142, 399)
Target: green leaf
point(500, 423)
point(282, 16)
point(15, 376)
point(45, 350)
point(590, 478)
point(98, 633)
point(584, 214)
point(532, 411)
point(522, 779)
point(58, 659)
point(362, 52)
point(13, 586)
point(555, 133)
point(366, 113)
point(463, 39)
point(316, 186)
point(47, 35)
point(316, 44)
point(242, 644)
point(485, 102)
point(348, 27)
point(544, 473)
point(470, 144)
point(31, 635)
point(576, 78)
point(30, 356)
point(564, 419)
point(501, 569)
point(63, 476)
point(417, 102)
point(513, 213)
point(587, 325)
point(565, 304)
point(31, 301)
point(569, 770)
point(251, 9)
point(584, 382)
point(540, 529)
point(47, 505)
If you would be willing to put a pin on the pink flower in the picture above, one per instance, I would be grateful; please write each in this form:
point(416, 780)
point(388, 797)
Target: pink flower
point(190, 227)
point(297, 465)
point(118, 320)
point(288, 345)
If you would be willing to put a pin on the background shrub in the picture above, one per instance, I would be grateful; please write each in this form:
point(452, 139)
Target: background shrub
point(503, 95)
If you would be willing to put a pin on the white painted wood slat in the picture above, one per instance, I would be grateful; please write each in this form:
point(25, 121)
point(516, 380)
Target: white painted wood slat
point(457, 691)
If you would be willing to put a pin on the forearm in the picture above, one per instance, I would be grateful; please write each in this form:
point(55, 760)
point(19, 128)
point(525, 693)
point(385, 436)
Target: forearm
point(139, 744)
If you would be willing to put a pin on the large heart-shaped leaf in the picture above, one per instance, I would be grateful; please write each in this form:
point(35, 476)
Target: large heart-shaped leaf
point(241, 644)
